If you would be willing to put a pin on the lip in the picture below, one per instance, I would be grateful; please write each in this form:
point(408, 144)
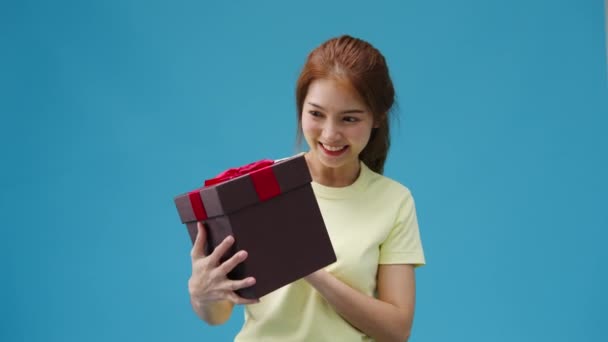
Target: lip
point(333, 153)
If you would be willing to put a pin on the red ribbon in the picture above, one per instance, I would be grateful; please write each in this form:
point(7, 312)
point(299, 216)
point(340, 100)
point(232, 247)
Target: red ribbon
point(197, 205)
point(238, 171)
point(264, 182)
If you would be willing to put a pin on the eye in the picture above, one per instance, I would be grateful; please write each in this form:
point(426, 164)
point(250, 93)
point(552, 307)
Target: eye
point(315, 113)
point(350, 119)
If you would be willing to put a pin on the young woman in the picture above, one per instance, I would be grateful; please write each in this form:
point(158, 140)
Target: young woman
point(344, 98)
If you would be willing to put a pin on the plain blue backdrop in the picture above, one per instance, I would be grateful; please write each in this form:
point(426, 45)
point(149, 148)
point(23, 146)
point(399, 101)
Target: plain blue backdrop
point(111, 108)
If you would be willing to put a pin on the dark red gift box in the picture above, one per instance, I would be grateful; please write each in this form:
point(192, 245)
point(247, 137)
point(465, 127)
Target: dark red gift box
point(272, 212)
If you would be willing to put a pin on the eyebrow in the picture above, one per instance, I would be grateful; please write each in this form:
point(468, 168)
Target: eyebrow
point(349, 111)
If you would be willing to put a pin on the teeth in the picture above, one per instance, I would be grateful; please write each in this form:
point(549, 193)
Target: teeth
point(331, 148)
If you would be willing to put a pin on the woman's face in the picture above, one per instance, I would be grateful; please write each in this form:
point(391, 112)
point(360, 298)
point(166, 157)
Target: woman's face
point(336, 124)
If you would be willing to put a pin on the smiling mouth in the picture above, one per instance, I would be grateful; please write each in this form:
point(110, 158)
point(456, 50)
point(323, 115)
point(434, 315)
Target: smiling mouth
point(333, 150)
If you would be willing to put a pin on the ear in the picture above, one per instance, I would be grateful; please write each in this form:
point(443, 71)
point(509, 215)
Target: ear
point(377, 121)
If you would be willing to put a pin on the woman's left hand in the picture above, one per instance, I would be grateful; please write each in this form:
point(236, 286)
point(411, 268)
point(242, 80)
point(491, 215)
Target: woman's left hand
point(385, 318)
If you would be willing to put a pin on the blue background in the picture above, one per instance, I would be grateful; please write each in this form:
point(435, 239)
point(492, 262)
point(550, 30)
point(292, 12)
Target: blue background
point(111, 108)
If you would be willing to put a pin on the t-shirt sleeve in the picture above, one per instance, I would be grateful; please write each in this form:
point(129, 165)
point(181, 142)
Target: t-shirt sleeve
point(403, 244)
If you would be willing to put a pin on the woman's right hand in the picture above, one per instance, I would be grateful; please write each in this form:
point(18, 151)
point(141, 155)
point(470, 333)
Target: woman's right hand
point(209, 283)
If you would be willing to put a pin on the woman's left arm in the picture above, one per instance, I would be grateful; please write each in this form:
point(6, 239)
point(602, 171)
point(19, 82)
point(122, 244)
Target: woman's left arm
point(387, 318)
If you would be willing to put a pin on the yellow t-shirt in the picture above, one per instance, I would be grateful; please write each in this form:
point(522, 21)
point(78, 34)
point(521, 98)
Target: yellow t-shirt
point(370, 222)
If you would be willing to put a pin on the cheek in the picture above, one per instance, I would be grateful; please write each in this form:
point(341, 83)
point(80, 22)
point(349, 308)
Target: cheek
point(363, 135)
point(308, 126)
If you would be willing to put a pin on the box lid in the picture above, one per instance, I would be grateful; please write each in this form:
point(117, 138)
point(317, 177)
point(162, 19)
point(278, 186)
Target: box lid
point(237, 193)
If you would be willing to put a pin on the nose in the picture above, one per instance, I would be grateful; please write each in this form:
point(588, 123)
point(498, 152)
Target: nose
point(331, 132)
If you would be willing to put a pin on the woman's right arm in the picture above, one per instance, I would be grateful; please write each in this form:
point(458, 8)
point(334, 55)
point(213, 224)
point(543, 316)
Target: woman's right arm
point(211, 293)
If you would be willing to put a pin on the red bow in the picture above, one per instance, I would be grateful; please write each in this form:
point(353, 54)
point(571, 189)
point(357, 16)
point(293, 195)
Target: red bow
point(238, 171)
point(263, 178)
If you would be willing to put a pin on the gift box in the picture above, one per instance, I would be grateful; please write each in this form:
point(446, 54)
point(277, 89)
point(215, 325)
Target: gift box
point(270, 209)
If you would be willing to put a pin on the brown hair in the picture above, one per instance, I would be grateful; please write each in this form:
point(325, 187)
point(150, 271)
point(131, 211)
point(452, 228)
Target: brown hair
point(350, 59)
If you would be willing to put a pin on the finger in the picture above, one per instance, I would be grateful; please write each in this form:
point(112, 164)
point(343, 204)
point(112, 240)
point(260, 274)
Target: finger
point(221, 249)
point(236, 299)
point(234, 285)
point(198, 249)
point(231, 263)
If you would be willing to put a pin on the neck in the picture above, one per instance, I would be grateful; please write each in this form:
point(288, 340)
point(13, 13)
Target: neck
point(333, 177)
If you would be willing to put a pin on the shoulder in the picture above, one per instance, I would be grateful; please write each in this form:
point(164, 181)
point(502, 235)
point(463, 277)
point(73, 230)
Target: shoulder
point(386, 186)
